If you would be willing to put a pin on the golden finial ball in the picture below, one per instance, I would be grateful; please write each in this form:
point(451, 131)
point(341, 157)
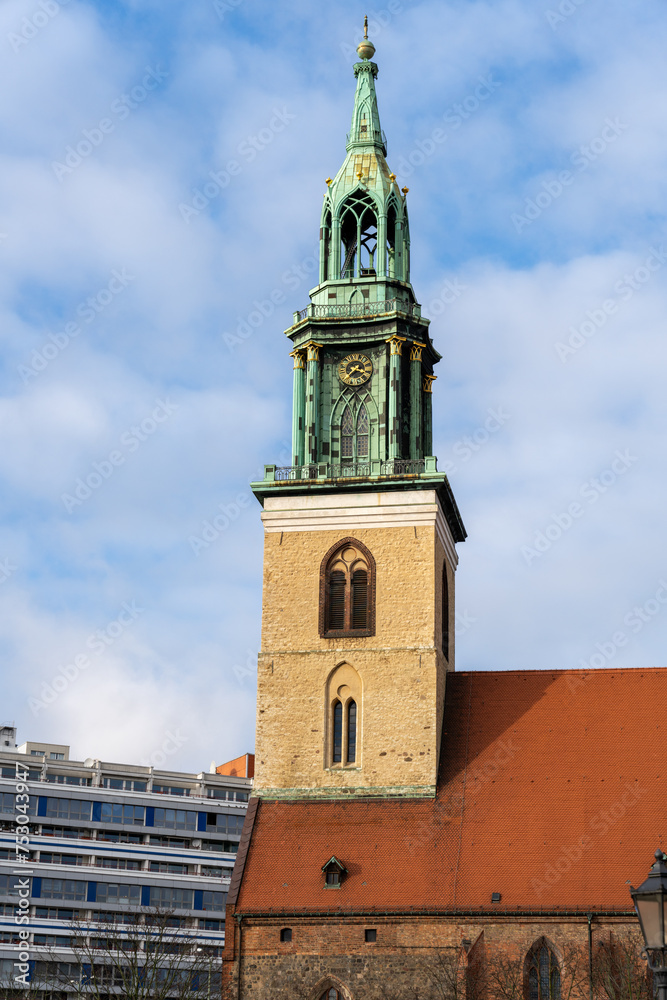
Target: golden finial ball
point(366, 49)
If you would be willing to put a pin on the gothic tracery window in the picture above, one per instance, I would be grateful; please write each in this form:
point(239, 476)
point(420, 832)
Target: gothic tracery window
point(355, 430)
point(347, 591)
point(331, 994)
point(543, 973)
point(347, 434)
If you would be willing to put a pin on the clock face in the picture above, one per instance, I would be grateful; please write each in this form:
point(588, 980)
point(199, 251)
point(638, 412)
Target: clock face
point(355, 369)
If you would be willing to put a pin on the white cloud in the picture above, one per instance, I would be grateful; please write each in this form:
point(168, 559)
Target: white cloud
point(162, 337)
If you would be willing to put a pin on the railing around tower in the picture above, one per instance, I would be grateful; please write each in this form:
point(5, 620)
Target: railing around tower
point(351, 470)
point(358, 310)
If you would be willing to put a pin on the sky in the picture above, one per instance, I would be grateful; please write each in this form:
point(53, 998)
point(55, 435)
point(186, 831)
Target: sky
point(161, 177)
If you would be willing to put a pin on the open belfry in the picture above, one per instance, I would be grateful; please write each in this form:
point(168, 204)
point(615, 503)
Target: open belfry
point(414, 831)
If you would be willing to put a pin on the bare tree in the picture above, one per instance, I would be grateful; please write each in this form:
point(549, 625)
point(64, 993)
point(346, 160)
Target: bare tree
point(504, 975)
point(619, 971)
point(148, 956)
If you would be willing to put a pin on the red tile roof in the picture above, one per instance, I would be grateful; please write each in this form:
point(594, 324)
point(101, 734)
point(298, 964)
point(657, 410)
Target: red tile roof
point(551, 793)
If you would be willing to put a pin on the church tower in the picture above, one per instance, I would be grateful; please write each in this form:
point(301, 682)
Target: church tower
point(360, 531)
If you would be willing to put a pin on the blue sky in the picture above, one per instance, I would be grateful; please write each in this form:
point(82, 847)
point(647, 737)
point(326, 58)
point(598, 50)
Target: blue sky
point(533, 139)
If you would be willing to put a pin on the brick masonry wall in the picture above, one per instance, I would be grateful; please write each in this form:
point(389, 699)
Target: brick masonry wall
point(401, 667)
point(401, 962)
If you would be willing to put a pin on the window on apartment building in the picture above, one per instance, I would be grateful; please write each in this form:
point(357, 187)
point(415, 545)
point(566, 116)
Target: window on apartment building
point(124, 784)
point(227, 793)
point(207, 924)
point(211, 872)
point(56, 913)
point(118, 892)
point(161, 920)
point(127, 864)
point(78, 809)
point(169, 867)
point(67, 832)
point(169, 841)
point(56, 756)
point(120, 837)
point(63, 888)
point(214, 901)
point(67, 779)
point(347, 591)
point(543, 973)
point(10, 937)
point(170, 789)
point(9, 885)
point(53, 940)
point(47, 858)
point(224, 823)
point(108, 917)
point(176, 819)
point(115, 812)
point(168, 896)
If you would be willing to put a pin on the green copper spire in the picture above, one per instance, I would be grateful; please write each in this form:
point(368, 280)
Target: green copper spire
point(365, 130)
point(363, 357)
point(364, 225)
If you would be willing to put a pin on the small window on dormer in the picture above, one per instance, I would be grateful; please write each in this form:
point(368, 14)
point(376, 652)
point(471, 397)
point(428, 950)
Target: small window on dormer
point(334, 873)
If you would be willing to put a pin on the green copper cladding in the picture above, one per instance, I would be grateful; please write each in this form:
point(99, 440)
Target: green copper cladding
point(363, 357)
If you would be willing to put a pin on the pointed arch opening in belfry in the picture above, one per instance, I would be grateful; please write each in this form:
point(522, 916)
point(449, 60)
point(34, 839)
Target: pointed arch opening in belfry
point(343, 711)
point(358, 234)
point(325, 236)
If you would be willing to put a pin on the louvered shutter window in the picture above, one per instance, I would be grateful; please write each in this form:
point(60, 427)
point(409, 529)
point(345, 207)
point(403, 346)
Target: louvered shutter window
point(338, 732)
point(351, 732)
point(359, 599)
point(347, 591)
point(337, 600)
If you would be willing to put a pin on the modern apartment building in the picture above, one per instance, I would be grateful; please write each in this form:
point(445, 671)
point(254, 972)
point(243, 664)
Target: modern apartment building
point(106, 841)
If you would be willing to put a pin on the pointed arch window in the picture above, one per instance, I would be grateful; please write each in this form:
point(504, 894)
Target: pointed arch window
point(342, 722)
point(337, 732)
point(543, 973)
point(332, 994)
point(347, 434)
point(358, 232)
point(325, 237)
point(347, 591)
point(355, 434)
point(391, 243)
